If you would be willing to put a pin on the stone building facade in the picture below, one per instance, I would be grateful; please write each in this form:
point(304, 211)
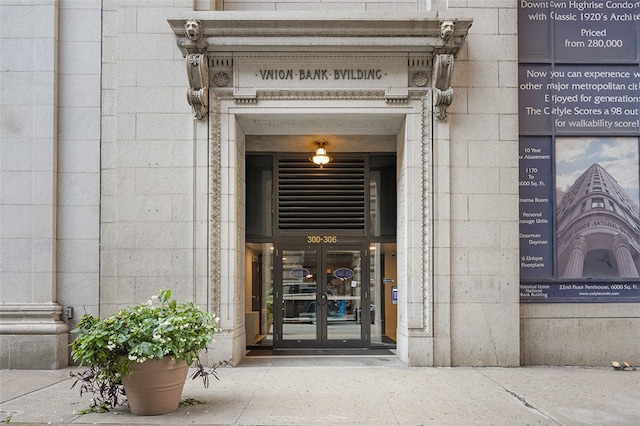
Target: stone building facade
point(115, 183)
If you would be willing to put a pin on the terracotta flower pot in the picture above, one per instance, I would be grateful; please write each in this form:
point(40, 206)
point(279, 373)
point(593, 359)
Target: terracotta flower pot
point(155, 386)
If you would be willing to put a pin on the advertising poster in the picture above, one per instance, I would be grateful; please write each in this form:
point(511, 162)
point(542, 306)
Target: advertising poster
point(579, 112)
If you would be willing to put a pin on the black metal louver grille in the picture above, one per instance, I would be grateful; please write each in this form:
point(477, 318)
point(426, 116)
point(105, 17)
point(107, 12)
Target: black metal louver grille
point(313, 198)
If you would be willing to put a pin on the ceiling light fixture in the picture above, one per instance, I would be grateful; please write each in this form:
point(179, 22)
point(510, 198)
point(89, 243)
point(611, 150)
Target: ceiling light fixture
point(320, 157)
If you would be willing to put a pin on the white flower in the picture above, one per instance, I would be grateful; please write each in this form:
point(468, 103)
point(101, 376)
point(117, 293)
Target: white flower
point(132, 357)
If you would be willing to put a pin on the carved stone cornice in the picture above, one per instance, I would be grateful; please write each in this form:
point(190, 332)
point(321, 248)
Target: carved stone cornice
point(251, 32)
point(429, 42)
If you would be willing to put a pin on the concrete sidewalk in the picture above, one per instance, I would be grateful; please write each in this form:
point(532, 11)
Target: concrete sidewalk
point(376, 390)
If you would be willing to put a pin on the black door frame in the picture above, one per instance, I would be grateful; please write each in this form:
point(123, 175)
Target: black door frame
point(322, 302)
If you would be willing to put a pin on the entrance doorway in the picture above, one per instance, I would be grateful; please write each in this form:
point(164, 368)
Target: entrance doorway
point(319, 295)
point(320, 252)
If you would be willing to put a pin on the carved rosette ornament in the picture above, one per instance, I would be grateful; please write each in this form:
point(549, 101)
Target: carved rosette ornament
point(221, 79)
point(420, 79)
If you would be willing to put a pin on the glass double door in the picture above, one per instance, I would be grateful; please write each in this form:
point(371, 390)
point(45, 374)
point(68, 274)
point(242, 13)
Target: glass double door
point(318, 297)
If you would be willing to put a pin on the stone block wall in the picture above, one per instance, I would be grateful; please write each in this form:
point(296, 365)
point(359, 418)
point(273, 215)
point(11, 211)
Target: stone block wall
point(484, 281)
point(79, 132)
point(154, 159)
point(51, 54)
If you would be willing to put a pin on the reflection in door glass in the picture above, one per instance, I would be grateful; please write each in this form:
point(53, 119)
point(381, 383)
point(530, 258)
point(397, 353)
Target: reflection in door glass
point(259, 294)
point(383, 281)
point(344, 290)
point(333, 289)
point(299, 294)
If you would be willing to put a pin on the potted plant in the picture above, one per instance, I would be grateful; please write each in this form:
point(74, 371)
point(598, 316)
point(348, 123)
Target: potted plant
point(146, 342)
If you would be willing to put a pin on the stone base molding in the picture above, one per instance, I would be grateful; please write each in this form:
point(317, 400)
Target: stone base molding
point(20, 323)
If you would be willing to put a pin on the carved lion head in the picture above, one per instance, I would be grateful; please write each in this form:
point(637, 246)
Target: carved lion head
point(446, 29)
point(193, 29)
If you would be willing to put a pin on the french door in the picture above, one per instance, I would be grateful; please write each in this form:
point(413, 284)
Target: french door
point(321, 296)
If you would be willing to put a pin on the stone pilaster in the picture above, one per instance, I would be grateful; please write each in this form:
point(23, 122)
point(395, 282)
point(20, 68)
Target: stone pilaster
point(32, 334)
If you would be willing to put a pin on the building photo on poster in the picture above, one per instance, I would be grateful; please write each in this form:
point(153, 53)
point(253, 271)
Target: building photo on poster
point(597, 218)
point(579, 120)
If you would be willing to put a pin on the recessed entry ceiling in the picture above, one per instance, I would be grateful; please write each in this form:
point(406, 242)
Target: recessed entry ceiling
point(320, 124)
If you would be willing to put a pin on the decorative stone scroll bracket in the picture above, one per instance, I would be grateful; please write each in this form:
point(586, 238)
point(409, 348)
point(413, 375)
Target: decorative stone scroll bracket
point(198, 92)
point(197, 71)
point(442, 71)
point(442, 91)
